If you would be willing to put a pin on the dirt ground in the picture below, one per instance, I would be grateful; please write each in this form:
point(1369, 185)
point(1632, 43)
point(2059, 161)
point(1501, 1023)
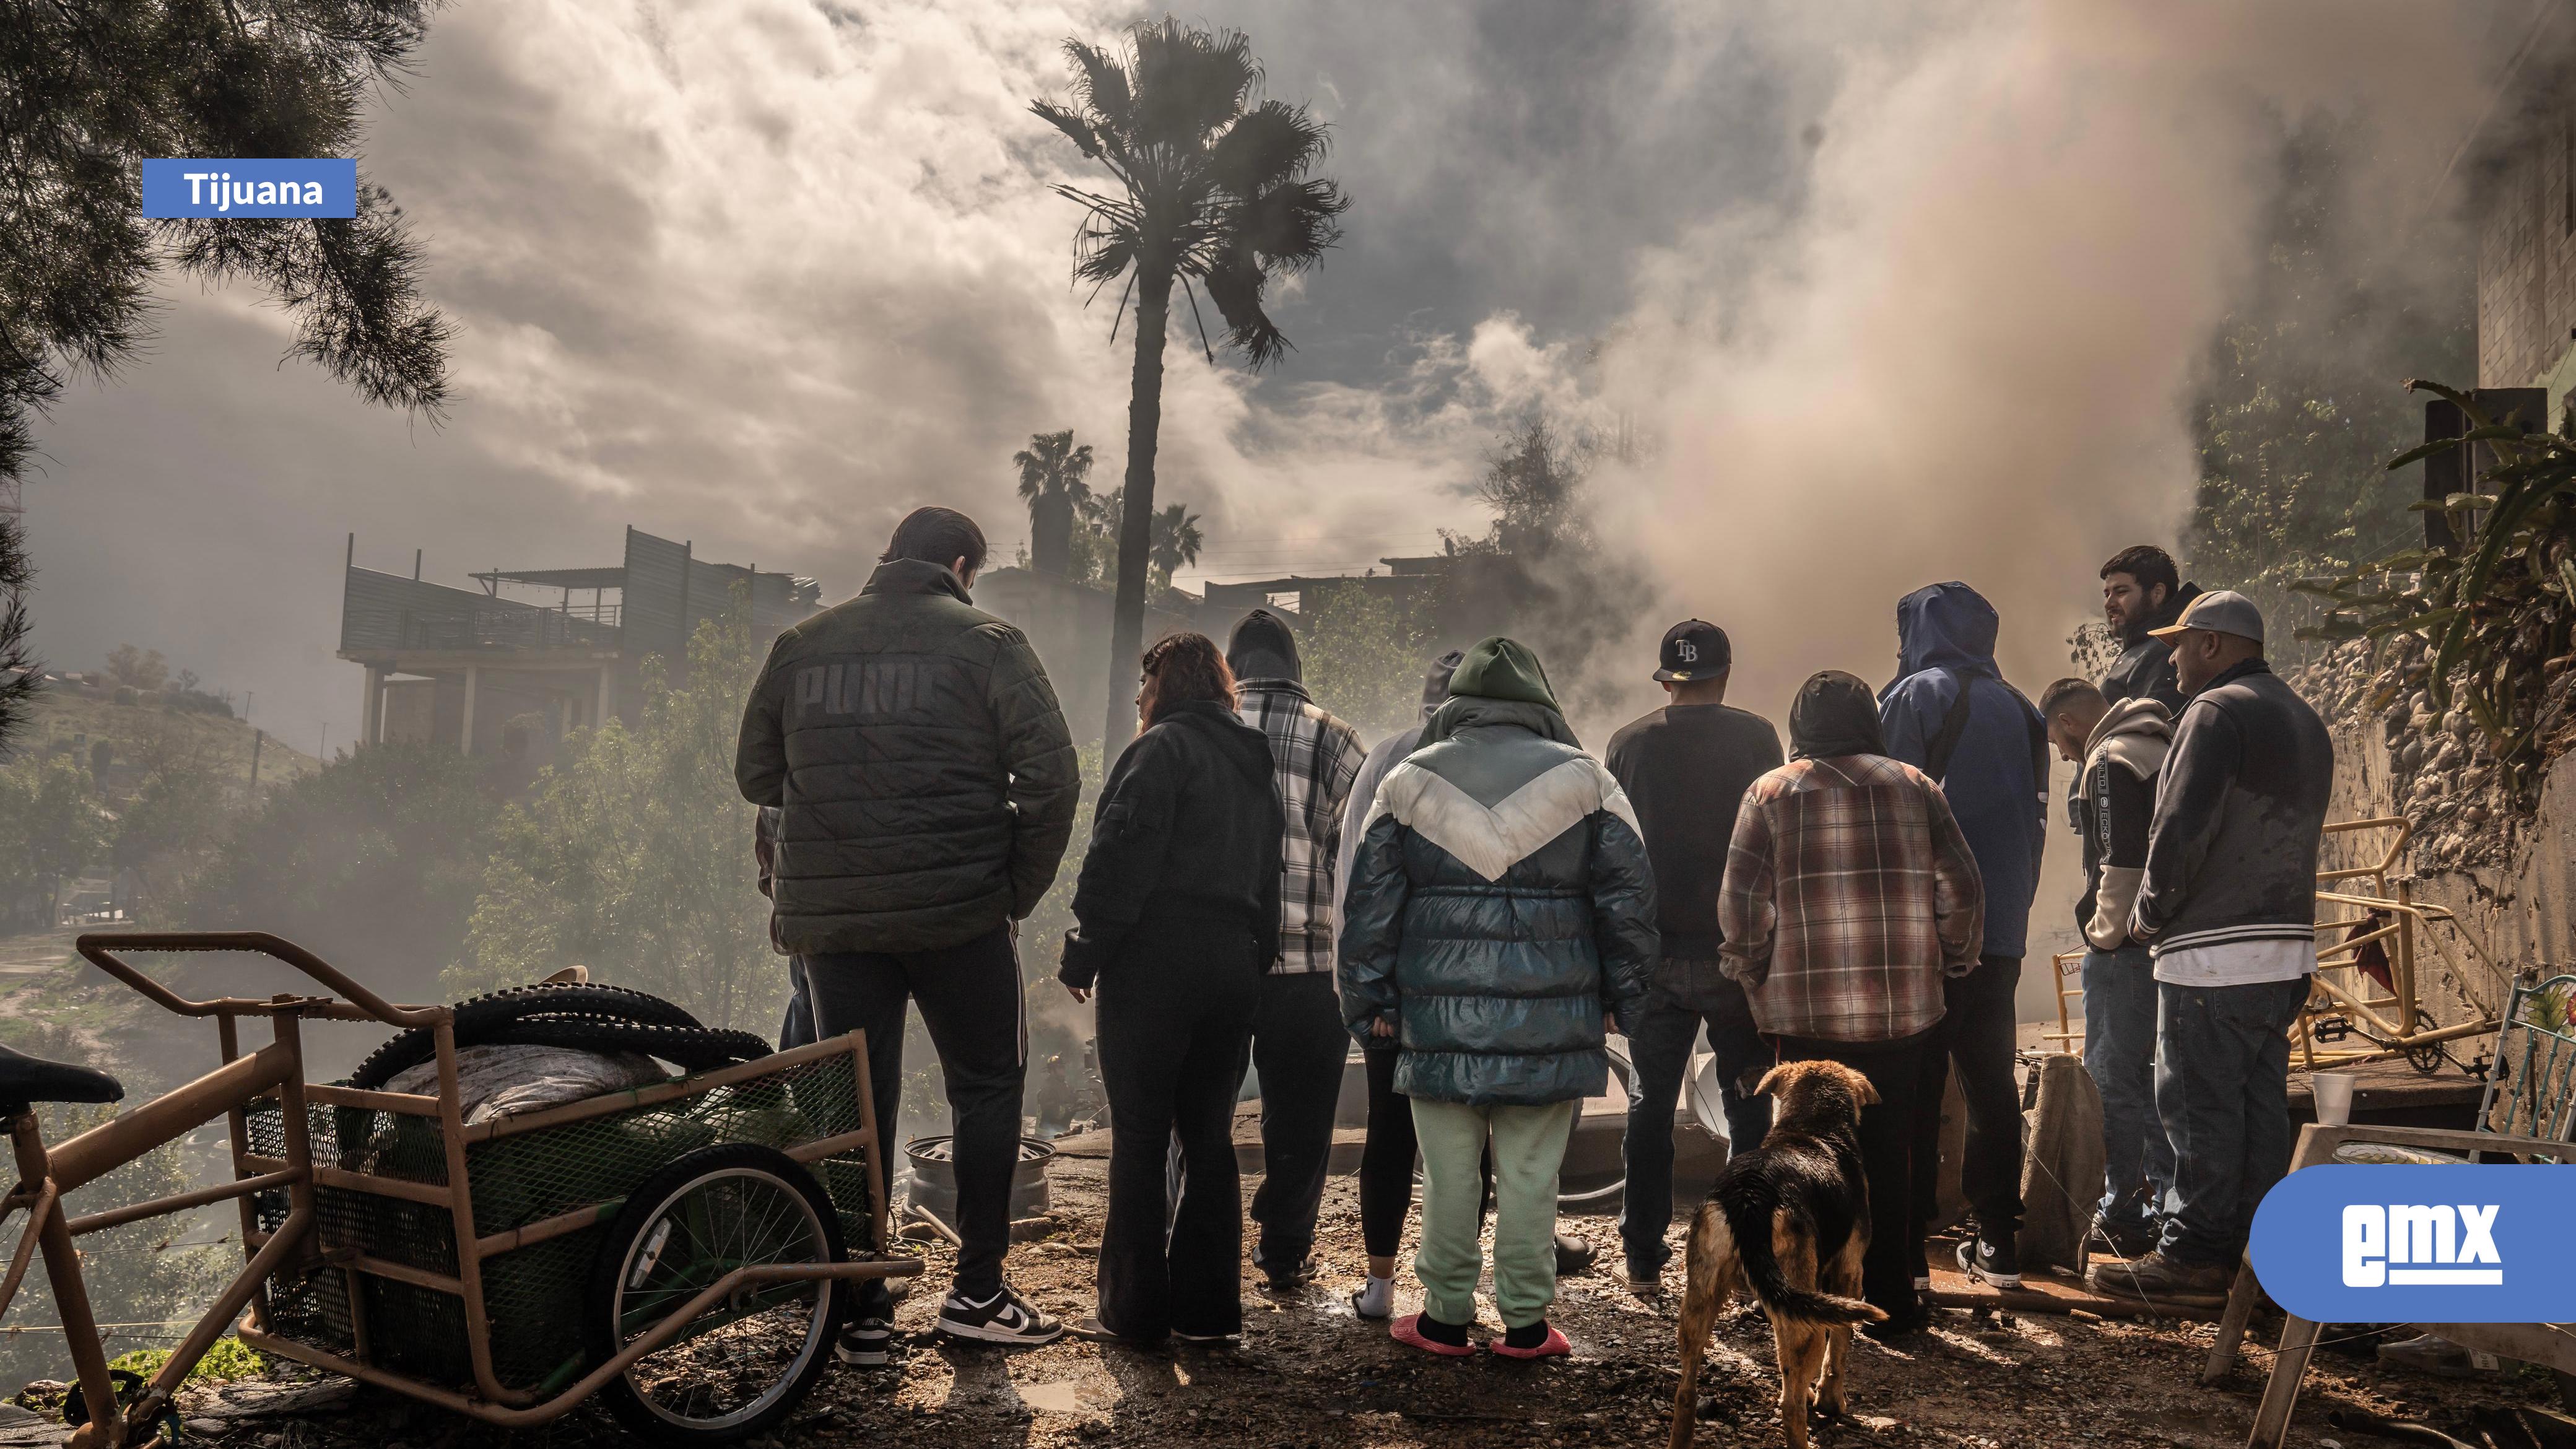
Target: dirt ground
point(1311, 1374)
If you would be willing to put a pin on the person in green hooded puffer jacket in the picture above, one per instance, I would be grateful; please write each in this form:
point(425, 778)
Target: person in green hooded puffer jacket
point(1499, 923)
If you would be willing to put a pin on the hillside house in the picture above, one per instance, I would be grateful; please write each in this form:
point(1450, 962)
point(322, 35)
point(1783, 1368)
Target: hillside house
point(511, 665)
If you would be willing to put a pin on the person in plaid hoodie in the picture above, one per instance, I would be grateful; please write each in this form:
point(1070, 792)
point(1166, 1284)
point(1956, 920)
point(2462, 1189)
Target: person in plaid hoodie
point(1297, 1038)
point(1849, 895)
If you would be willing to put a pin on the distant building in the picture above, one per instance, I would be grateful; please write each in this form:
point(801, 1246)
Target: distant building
point(1067, 623)
point(490, 670)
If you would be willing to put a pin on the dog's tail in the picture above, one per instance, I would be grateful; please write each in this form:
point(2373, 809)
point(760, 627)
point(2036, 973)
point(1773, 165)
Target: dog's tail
point(1751, 1224)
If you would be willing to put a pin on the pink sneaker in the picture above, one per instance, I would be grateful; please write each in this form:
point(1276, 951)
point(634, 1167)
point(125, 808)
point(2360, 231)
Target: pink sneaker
point(1554, 1346)
point(1408, 1329)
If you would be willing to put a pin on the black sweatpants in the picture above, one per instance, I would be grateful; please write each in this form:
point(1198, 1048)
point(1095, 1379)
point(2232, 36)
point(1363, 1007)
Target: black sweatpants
point(1175, 1012)
point(1386, 1159)
point(1659, 1052)
point(1886, 1129)
point(1298, 1046)
point(970, 999)
point(1977, 1033)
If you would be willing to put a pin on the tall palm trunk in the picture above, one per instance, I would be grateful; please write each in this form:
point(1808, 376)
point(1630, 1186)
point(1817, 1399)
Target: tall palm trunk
point(1136, 522)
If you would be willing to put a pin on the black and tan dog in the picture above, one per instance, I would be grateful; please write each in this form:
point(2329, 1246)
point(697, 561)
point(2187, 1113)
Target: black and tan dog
point(1787, 1222)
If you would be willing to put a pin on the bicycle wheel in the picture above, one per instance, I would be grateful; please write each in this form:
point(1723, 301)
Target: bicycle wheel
point(744, 1362)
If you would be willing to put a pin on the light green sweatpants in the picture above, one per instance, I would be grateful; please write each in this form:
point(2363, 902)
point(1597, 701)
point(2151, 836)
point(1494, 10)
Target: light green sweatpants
point(1529, 1147)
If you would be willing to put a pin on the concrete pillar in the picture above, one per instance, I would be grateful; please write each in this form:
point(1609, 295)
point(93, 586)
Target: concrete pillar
point(607, 695)
point(371, 713)
point(465, 728)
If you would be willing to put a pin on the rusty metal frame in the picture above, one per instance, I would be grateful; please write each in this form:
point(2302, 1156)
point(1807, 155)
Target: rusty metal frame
point(276, 1072)
point(2410, 927)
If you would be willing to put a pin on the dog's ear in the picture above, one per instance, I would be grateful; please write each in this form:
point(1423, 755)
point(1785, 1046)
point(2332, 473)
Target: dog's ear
point(1868, 1094)
point(1771, 1079)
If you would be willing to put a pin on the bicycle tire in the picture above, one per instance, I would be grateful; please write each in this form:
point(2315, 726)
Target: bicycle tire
point(695, 1048)
point(477, 1016)
point(617, 1269)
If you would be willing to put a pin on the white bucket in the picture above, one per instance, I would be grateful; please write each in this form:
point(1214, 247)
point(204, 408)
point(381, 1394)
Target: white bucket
point(2334, 1096)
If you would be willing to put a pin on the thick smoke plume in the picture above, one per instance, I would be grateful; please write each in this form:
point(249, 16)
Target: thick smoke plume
point(1968, 352)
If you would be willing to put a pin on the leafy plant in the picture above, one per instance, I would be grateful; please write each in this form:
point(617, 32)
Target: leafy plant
point(2495, 614)
point(1365, 654)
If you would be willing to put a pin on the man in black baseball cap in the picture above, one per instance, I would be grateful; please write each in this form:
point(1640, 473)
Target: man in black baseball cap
point(1685, 767)
point(1696, 652)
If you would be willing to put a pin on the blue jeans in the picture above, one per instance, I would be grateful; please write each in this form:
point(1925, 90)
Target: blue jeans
point(2120, 1053)
point(2223, 1089)
point(1660, 1051)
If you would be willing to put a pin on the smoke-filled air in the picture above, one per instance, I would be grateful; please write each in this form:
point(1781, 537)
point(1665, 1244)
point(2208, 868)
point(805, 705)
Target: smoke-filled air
point(1226, 688)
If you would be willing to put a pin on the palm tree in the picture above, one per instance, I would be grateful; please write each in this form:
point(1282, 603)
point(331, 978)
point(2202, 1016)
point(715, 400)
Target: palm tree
point(1053, 482)
point(1176, 543)
point(1213, 193)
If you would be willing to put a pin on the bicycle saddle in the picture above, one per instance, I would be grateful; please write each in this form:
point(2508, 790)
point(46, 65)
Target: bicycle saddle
point(25, 1080)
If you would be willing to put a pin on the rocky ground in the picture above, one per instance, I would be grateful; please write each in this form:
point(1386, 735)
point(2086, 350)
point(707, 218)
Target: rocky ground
point(1310, 1374)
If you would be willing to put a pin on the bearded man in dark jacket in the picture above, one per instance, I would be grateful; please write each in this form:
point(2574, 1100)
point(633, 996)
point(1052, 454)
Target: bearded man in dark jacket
point(2143, 592)
point(1500, 919)
point(926, 784)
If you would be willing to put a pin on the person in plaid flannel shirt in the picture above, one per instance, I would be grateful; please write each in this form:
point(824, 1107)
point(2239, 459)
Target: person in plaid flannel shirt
point(1298, 1042)
point(1849, 894)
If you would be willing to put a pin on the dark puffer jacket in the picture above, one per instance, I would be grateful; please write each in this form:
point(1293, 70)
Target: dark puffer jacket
point(923, 769)
point(1500, 907)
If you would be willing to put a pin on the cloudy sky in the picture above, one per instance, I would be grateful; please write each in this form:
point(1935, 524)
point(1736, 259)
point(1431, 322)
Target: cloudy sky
point(1897, 292)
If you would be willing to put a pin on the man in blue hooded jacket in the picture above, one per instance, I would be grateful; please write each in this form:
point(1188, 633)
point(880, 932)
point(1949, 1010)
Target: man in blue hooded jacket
point(1951, 715)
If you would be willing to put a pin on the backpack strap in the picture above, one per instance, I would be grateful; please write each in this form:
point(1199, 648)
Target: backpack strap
point(1954, 723)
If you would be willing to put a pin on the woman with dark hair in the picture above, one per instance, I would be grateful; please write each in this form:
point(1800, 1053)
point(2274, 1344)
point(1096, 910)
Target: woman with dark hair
point(1176, 917)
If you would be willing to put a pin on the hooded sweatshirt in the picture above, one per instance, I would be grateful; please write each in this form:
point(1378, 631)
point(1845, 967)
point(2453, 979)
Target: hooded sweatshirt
point(1997, 775)
point(1382, 757)
point(2145, 668)
point(1501, 904)
point(1317, 758)
point(2114, 805)
point(1188, 829)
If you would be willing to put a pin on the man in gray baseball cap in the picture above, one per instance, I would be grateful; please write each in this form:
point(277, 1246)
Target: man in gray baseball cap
point(2227, 909)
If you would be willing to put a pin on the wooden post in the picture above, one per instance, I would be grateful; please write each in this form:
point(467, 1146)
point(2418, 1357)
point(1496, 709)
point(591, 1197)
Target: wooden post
point(465, 727)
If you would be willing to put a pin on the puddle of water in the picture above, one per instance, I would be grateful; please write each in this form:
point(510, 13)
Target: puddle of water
point(1062, 1397)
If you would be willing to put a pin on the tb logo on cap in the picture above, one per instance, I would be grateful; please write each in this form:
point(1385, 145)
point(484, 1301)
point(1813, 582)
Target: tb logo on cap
point(1688, 651)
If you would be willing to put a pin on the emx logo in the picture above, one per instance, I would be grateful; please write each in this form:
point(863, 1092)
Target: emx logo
point(2427, 1244)
point(2345, 1243)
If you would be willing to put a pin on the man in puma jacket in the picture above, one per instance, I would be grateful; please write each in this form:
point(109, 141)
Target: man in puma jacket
point(1501, 915)
point(926, 786)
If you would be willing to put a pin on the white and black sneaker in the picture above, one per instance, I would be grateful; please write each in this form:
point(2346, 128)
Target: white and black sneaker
point(866, 1343)
point(1990, 1262)
point(1005, 1317)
